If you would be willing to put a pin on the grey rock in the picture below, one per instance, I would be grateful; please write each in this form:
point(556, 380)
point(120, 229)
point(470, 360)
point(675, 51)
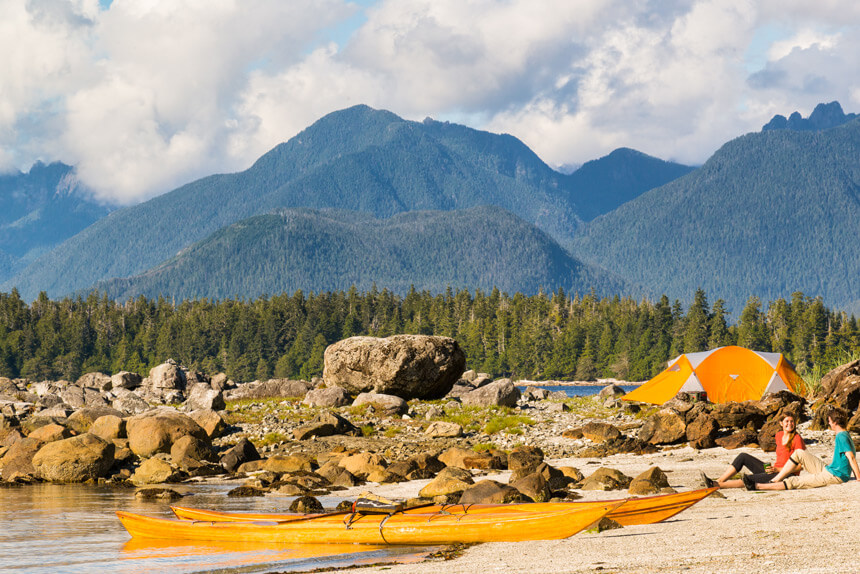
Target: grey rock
point(328, 397)
point(498, 393)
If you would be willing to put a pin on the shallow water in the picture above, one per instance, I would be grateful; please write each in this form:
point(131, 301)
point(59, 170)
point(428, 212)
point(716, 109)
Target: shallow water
point(579, 390)
point(49, 528)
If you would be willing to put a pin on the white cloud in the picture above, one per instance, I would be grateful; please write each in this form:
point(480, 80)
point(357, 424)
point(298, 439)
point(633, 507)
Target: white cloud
point(148, 95)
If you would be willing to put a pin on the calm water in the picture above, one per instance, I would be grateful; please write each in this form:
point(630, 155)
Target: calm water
point(71, 529)
point(579, 390)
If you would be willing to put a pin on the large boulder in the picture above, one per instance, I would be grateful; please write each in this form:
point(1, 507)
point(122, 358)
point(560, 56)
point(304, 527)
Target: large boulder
point(202, 396)
point(237, 455)
point(491, 492)
point(166, 376)
point(382, 403)
point(209, 421)
point(156, 431)
point(98, 381)
point(837, 376)
point(449, 481)
point(666, 426)
point(81, 420)
point(328, 397)
point(129, 402)
point(155, 470)
point(500, 393)
point(75, 459)
point(50, 433)
point(79, 397)
point(738, 415)
point(325, 424)
point(702, 431)
point(18, 460)
point(409, 366)
point(125, 380)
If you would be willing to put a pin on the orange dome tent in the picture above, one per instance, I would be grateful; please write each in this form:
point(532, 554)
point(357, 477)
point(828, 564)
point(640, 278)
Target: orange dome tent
point(726, 374)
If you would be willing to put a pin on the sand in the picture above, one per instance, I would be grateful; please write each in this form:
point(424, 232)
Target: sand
point(802, 531)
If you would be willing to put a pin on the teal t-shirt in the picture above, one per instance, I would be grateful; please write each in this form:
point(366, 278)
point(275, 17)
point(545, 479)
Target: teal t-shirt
point(840, 468)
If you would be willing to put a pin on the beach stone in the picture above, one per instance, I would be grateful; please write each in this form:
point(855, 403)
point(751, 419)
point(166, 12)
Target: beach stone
point(603, 525)
point(465, 458)
point(242, 452)
point(61, 411)
point(125, 380)
point(385, 477)
point(573, 434)
point(290, 489)
point(386, 404)
point(108, 427)
point(129, 402)
point(362, 464)
point(533, 393)
point(190, 448)
point(573, 474)
point(210, 421)
point(738, 415)
point(835, 377)
point(766, 437)
point(534, 486)
point(307, 505)
point(155, 470)
point(664, 427)
point(600, 432)
point(220, 381)
point(854, 423)
point(98, 381)
point(484, 461)
point(606, 479)
point(289, 463)
point(652, 481)
point(202, 396)
point(408, 366)
point(741, 438)
point(500, 393)
point(555, 479)
point(82, 420)
point(325, 424)
point(428, 462)
point(75, 459)
point(273, 388)
point(328, 397)
point(167, 375)
point(443, 429)
point(167, 494)
point(491, 492)
point(50, 433)
point(524, 460)
point(78, 398)
point(612, 391)
point(246, 491)
point(702, 431)
point(156, 431)
point(557, 408)
point(449, 481)
point(337, 475)
point(18, 460)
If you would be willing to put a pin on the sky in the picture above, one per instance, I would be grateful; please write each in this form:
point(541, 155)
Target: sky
point(145, 95)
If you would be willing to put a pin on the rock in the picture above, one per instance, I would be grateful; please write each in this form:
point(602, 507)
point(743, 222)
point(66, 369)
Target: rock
point(408, 366)
point(287, 388)
point(573, 474)
point(204, 397)
point(555, 479)
point(534, 486)
point(166, 376)
point(606, 479)
point(75, 459)
point(167, 494)
point(428, 462)
point(243, 491)
point(58, 411)
point(449, 481)
point(652, 481)
point(239, 454)
point(738, 415)
point(612, 391)
point(524, 460)
point(188, 451)
point(442, 429)
point(220, 382)
point(362, 464)
point(854, 423)
point(156, 431)
point(617, 446)
point(464, 458)
point(98, 381)
point(741, 438)
point(18, 460)
point(388, 404)
point(403, 467)
point(498, 393)
point(155, 470)
point(557, 408)
point(108, 427)
point(329, 397)
point(574, 434)
point(307, 505)
point(664, 427)
point(289, 489)
point(50, 433)
point(600, 432)
point(129, 402)
point(702, 431)
point(125, 380)
point(78, 398)
point(604, 524)
point(491, 492)
point(766, 437)
point(82, 420)
point(210, 421)
point(325, 424)
point(533, 393)
point(337, 475)
point(289, 463)
point(836, 377)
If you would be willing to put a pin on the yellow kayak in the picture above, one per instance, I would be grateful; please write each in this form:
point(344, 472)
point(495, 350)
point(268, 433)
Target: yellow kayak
point(631, 511)
point(398, 528)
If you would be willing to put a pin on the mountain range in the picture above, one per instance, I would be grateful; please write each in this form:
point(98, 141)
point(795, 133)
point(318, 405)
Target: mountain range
point(364, 197)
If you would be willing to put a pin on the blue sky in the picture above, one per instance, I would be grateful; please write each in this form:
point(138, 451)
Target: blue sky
point(143, 96)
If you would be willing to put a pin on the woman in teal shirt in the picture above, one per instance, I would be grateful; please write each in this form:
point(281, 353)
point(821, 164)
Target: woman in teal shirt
point(837, 472)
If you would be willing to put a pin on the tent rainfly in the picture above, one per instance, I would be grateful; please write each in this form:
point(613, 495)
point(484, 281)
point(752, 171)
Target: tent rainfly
point(726, 374)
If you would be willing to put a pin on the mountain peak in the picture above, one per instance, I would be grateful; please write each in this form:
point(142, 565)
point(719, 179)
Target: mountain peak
point(823, 117)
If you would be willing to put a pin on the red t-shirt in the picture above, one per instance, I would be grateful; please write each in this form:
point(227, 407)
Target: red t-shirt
point(783, 452)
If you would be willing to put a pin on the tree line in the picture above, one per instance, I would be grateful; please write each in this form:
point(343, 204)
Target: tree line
point(544, 336)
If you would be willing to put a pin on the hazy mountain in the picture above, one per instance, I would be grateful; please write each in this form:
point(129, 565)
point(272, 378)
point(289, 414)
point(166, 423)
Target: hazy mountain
point(40, 209)
point(313, 250)
point(768, 214)
point(356, 159)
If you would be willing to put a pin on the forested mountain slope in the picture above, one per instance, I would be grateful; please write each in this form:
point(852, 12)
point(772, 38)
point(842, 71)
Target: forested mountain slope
point(768, 214)
point(312, 250)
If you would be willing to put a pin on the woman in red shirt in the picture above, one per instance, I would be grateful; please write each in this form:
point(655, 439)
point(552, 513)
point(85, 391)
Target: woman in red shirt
point(787, 441)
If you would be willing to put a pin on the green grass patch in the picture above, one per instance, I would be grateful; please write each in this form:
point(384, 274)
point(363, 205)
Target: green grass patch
point(273, 438)
point(507, 423)
point(392, 432)
point(368, 430)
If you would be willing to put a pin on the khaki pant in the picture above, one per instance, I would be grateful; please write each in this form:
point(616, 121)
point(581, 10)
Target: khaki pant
point(815, 467)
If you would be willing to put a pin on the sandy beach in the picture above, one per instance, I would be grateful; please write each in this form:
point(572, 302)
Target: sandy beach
point(801, 531)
